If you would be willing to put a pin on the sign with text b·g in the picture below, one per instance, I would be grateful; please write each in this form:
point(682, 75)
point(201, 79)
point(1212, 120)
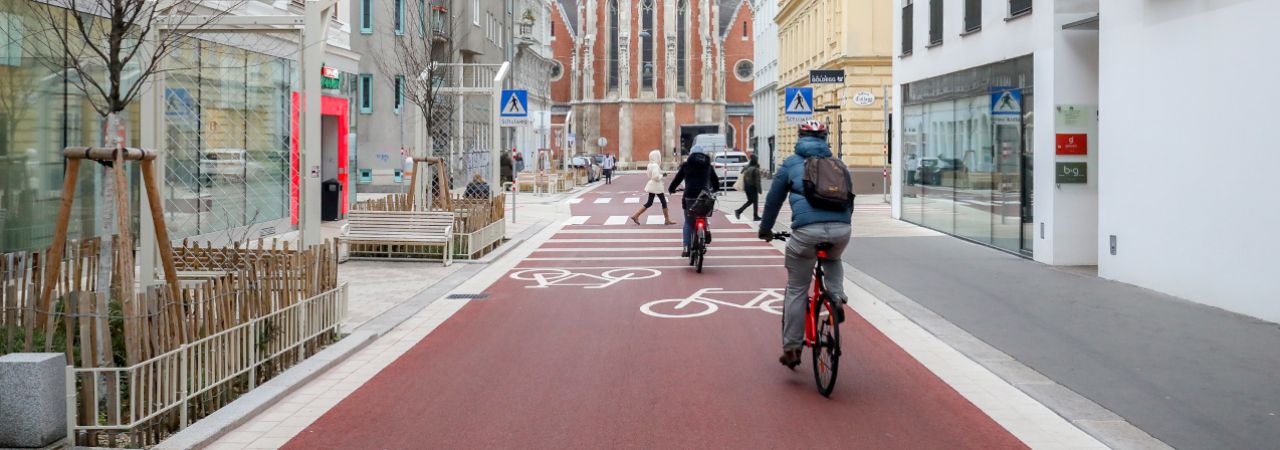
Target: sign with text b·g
point(799, 104)
point(514, 108)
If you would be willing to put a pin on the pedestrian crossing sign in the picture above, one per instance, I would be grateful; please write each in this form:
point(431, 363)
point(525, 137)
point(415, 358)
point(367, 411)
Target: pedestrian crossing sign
point(799, 103)
point(1006, 105)
point(514, 107)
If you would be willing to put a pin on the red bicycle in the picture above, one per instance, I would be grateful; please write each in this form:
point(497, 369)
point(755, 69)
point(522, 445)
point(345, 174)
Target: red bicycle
point(822, 325)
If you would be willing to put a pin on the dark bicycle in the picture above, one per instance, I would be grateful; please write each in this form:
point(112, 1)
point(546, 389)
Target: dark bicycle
point(821, 329)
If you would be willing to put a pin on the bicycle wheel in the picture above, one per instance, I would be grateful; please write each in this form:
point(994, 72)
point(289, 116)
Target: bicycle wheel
point(701, 255)
point(826, 351)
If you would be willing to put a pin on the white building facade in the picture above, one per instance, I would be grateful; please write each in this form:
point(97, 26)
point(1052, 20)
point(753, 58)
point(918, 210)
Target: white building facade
point(998, 138)
point(764, 96)
point(532, 67)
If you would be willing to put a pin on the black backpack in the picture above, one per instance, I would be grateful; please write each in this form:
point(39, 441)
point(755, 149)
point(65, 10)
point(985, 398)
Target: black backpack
point(828, 184)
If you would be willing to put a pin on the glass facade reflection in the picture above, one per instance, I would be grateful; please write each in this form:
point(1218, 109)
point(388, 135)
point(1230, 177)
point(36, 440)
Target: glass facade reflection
point(966, 154)
point(227, 135)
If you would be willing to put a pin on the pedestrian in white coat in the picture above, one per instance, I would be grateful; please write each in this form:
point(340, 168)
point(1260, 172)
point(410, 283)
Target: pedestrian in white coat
point(654, 188)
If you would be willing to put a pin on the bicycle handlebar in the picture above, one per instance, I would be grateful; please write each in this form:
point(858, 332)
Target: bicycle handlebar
point(781, 235)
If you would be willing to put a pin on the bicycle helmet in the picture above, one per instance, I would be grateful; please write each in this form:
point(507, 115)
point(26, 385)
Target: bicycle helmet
point(813, 128)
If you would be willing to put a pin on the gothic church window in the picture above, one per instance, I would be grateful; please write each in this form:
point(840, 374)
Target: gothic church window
point(682, 44)
point(646, 36)
point(613, 44)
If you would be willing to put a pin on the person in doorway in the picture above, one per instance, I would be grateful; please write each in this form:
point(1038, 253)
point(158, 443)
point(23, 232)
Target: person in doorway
point(697, 175)
point(608, 169)
point(478, 188)
point(519, 160)
point(654, 188)
point(751, 186)
point(810, 226)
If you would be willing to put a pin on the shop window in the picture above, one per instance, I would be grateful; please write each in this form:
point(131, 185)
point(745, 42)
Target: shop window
point(907, 19)
point(972, 15)
point(935, 22)
point(366, 16)
point(366, 176)
point(366, 93)
point(1019, 7)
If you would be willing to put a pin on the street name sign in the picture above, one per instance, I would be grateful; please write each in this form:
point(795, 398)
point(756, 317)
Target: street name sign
point(799, 106)
point(826, 76)
point(515, 108)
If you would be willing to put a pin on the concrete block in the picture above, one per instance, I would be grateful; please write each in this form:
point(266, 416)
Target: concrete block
point(33, 401)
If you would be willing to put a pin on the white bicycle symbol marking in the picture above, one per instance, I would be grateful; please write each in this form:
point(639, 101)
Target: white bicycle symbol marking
point(547, 277)
point(701, 304)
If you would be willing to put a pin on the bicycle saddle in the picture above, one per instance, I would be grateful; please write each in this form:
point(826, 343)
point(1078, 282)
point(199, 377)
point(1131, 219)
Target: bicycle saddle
point(824, 246)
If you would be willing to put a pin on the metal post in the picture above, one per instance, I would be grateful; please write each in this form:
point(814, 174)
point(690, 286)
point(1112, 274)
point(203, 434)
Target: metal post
point(184, 381)
point(253, 353)
point(314, 38)
point(495, 138)
point(71, 404)
point(153, 135)
point(884, 153)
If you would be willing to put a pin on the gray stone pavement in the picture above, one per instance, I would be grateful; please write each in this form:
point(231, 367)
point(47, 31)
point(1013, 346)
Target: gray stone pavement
point(1190, 375)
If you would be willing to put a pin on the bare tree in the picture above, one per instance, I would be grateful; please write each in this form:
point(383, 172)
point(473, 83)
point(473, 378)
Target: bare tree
point(413, 59)
point(113, 47)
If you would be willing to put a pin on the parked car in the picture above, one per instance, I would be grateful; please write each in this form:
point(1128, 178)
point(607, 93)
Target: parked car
point(934, 170)
point(729, 165)
point(223, 163)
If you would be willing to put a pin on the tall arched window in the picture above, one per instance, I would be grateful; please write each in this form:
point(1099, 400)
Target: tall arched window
point(613, 44)
point(682, 45)
point(646, 42)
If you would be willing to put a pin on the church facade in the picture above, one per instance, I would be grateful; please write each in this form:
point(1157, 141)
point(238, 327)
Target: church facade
point(638, 75)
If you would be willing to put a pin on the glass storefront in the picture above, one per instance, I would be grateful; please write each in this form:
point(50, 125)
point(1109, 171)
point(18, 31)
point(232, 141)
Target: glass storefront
point(966, 154)
point(227, 128)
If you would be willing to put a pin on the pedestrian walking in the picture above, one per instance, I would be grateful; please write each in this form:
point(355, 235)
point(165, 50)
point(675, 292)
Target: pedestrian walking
point(505, 168)
point(608, 169)
point(751, 186)
point(654, 188)
point(519, 160)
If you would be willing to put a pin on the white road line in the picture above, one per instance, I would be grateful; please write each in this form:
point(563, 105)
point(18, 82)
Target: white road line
point(631, 200)
point(647, 258)
point(684, 266)
point(577, 220)
point(643, 249)
point(615, 220)
point(625, 241)
point(653, 220)
point(603, 200)
point(674, 229)
point(574, 201)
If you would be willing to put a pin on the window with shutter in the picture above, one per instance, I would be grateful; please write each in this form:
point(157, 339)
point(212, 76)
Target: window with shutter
point(907, 18)
point(972, 15)
point(935, 22)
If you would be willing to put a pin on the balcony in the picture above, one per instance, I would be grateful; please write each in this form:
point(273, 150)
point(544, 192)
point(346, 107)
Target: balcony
point(439, 23)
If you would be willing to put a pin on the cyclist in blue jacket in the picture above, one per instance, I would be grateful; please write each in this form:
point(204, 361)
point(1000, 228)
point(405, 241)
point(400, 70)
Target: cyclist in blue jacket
point(810, 226)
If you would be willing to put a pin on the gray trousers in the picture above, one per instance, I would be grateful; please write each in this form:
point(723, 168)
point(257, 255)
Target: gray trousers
point(801, 259)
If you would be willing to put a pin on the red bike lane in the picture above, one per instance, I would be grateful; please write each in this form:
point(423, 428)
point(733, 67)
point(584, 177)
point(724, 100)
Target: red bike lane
point(576, 348)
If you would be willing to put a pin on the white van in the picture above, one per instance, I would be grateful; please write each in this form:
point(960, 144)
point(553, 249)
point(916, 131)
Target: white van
point(710, 143)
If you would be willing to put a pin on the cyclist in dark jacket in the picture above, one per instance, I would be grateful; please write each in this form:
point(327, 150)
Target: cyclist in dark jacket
point(698, 177)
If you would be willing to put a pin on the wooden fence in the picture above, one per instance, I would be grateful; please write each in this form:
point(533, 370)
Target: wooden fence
point(222, 288)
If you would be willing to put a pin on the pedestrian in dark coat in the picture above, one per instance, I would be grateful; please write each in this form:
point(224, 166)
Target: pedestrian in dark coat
point(751, 186)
